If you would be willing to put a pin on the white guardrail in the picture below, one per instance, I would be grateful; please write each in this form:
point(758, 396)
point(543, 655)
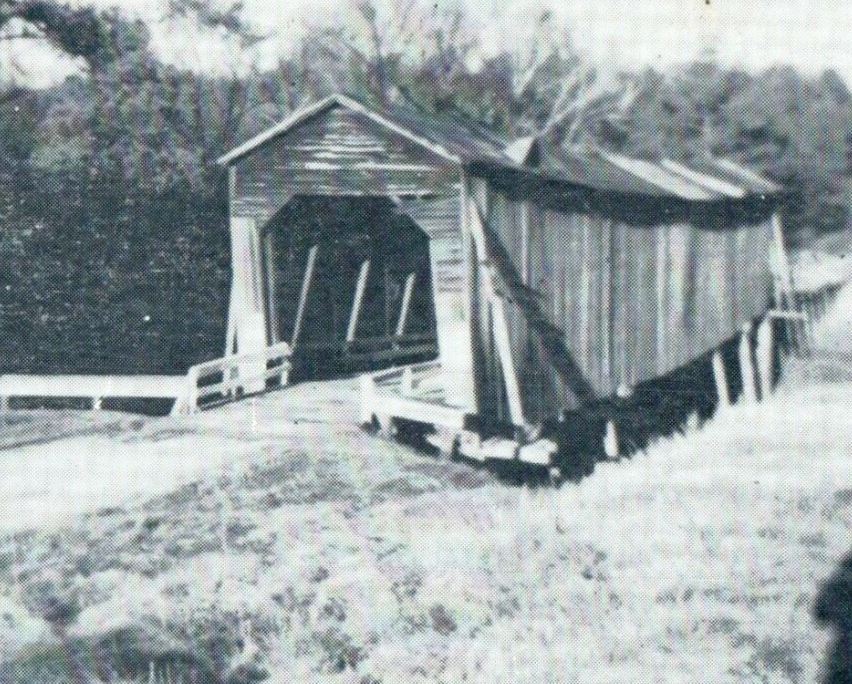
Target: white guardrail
point(222, 380)
point(91, 387)
point(206, 384)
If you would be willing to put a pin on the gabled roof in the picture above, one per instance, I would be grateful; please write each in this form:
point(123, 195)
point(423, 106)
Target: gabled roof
point(454, 140)
point(461, 142)
point(706, 179)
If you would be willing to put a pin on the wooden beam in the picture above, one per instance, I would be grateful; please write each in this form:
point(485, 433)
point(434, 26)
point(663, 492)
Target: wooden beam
point(662, 296)
point(406, 304)
point(270, 272)
point(499, 322)
point(720, 380)
point(610, 441)
point(92, 386)
point(356, 302)
point(407, 383)
point(783, 263)
point(525, 242)
point(766, 356)
point(303, 295)
point(747, 365)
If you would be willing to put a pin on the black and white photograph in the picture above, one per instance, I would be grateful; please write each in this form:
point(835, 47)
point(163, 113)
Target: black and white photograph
point(425, 341)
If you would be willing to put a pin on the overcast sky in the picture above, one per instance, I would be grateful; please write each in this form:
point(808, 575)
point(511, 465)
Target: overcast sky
point(810, 34)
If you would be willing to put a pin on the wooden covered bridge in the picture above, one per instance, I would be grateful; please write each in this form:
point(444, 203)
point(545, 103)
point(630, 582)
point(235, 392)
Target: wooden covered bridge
point(502, 286)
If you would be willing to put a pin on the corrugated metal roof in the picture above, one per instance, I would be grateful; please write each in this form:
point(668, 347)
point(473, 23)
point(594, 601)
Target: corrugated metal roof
point(462, 142)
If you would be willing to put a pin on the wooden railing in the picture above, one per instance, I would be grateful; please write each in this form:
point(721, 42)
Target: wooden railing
point(403, 383)
point(91, 388)
point(377, 348)
point(222, 380)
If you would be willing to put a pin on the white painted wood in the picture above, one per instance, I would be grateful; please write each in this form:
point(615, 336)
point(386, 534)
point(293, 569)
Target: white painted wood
point(303, 295)
point(406, 304)
point(499, 449)
point(540, 452)
point(356, 302)
point(662, 295)
point(746, 174)
point(470, 445)
point(417, 410)
point(747, 365)
point(765, 356)
point(367, 396)
point(93, 386)
point(721, 381)
point(500, 325)
point(249, 312)
point(234, 377)
point(611, 440)
point(407, 384)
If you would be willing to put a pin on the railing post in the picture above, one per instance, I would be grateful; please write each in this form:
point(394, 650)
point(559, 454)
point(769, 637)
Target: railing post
point(747, 365)
point(97, 403)
point(610, 441)
point(720, 380)
point(766, 356)
point(407, 382)
point(192, 390)
point(368, 395)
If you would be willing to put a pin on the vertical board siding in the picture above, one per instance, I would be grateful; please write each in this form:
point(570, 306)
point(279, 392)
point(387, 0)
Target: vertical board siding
point(631, 303)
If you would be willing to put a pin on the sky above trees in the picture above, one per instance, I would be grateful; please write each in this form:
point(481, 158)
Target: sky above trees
point(811, 36)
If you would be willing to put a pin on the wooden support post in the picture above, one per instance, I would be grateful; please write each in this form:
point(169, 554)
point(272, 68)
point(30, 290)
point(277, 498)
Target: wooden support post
point(368, 397)
point(720, 380)
point(500, 326)
point(747, 365)
point(611, 440)
point(303, 295)
point(766, 356)
point(525, 242)
point(192, 391)
point(271, 287)
point(356, 302)
point(407, 386)
point(406, 304)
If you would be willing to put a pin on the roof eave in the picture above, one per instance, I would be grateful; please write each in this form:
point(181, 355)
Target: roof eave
point(309, 111)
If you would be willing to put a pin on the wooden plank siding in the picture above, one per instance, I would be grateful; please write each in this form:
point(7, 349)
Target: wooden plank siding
point(341, 152)
point(628, 302)
point(592, 301)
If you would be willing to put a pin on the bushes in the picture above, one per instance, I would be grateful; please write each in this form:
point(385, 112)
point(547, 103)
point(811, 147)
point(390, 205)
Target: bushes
point(98, 279)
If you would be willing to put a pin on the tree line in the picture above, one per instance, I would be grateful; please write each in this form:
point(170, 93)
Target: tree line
point(113, 233)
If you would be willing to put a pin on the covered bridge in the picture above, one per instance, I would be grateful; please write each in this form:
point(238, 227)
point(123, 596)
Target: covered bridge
point(530, 285)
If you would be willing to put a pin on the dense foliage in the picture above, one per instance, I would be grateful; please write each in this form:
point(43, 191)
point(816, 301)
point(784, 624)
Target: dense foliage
point(113, 236)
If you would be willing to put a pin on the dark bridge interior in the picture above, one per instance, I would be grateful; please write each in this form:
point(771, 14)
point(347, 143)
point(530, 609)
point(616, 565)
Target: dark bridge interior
point(353, 239)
